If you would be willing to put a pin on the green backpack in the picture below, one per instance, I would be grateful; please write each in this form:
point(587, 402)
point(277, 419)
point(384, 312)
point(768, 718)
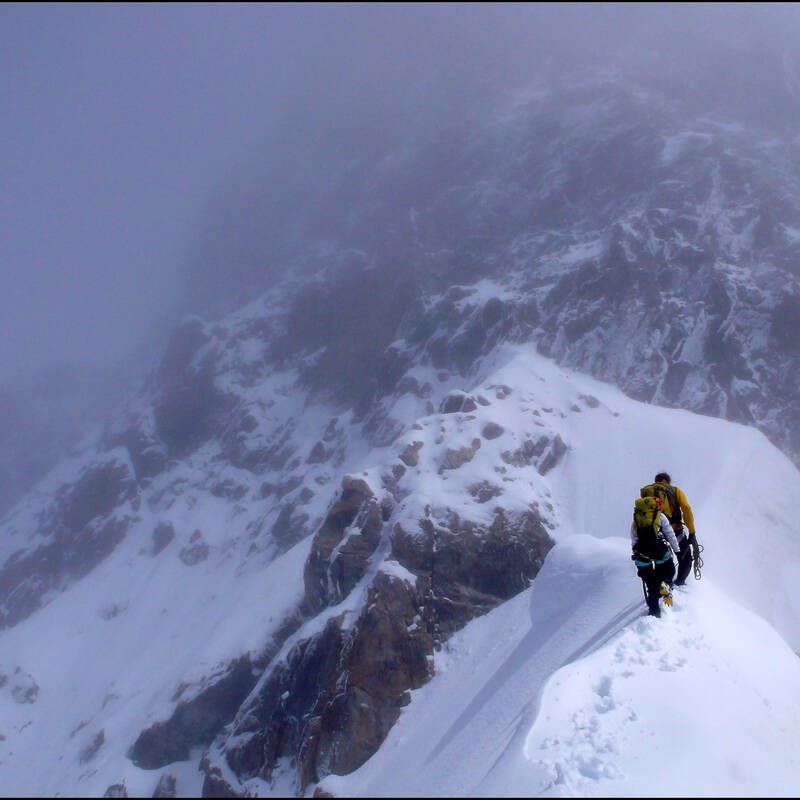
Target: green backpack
point(669, 502)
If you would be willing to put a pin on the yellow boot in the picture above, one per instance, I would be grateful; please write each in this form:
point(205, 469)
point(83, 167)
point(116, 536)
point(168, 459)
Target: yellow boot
point(666, 593)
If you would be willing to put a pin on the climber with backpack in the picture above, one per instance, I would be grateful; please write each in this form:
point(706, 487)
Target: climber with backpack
point(653, 544)
point(679, 513)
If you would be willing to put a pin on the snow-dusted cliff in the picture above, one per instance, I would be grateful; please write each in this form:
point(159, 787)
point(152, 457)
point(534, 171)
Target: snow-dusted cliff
point(271, 663)
point(313, 525)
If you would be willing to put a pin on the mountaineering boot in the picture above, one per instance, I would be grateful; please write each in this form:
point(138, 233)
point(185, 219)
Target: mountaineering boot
point(666, 592)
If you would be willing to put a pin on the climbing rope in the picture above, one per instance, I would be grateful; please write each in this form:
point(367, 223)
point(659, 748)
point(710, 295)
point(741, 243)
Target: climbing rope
point(697, 562)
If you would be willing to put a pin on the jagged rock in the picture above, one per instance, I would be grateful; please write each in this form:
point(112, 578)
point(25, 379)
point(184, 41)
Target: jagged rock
point(305, 711)
point(492, 430)
point(318, 454)
point(288, 486)
point(326, 581)
point(331, 430)
point(148, 455)
point(91, 750)
point(196, 551)
point(80, 527)
point(410, 454)
point(101, 488)
point(457, 457)
point(410, 385)
point(527, 453)
point(305, 496)
point(554, 454)
point(187, 398)
point(116, 790)
point(457, 402)
point(214, 785)
point(195, 722)
point(228, 489)
point(289, 526)
point(469, 569)
point(24, 688)
point(484, 491)
point(166, 786)
point(163, 534)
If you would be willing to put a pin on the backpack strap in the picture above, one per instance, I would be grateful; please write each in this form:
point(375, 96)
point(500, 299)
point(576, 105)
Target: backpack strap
point(676, 519)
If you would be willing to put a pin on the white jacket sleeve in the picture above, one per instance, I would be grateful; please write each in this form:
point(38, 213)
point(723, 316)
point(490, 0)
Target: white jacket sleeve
point(668, 533)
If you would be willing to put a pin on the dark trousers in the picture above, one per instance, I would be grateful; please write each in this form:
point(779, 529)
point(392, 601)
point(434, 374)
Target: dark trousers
point(684, 560)
point(651, 578)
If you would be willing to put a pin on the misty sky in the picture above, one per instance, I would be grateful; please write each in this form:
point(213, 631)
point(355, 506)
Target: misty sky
point(122, 126)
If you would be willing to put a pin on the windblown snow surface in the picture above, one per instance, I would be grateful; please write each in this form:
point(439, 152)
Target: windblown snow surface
point(565, 690)
point(568, 689)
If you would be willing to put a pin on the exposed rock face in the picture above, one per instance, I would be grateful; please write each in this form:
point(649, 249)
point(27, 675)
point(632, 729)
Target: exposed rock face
point(647, 244)
point(187, 397)
point(91, 749)
point(457, 402)
point(166, 786)
point(555, 452)
point(410, 455)
point(492, 430)
point(676, 279)
point(329, 702)
point(484, 491)
point(24, 688)
point(163, 534)
point(457, 457)
point(196, 551)
point(290, 526)
point(196, 720)
point(467, 570)
point(343, 546)
point(80, 527)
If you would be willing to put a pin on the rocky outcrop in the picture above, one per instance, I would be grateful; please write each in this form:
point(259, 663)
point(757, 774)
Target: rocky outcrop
point(187, 399)
point(330, 705)
point(196, 720)
point(166, 786)
point(328, 701)
point(343, 546)
point(80, 527)
point(195, 551)
point(163, 534)
point(466, 569)
point(456, 457)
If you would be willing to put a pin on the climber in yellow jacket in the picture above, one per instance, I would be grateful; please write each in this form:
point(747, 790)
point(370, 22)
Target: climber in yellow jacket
point(679, 513)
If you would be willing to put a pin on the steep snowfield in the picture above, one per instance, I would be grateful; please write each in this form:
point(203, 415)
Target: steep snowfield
point(568, 690)
point(562, 690)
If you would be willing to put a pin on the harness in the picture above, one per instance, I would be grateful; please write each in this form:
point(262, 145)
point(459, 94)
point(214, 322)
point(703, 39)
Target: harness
point(651, 562)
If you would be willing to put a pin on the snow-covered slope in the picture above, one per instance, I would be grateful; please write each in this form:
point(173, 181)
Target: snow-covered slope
point(649, 243)
point(567, 690)
point(147, 630)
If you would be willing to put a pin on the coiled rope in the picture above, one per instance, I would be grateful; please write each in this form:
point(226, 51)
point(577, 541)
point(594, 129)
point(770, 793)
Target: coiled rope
point(697, 562)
